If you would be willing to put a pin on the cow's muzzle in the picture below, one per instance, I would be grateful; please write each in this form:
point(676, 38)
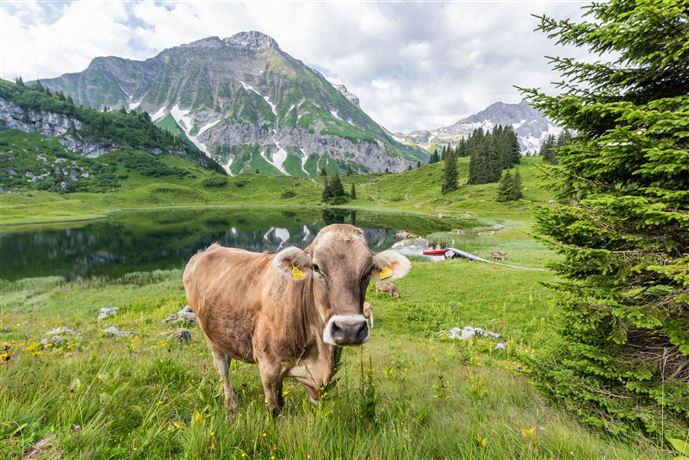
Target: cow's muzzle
point(346, 330)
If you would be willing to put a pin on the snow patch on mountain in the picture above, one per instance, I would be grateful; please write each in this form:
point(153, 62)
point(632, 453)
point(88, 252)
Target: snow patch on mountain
point(184, 121)
point(304, 158)
point(208, 126)
point(279, 157)
point(227, 166)
point(248, 87)
point(159, 114)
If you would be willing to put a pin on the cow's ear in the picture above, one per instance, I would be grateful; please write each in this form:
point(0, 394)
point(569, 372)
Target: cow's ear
point(293, 263)
point(390, 266)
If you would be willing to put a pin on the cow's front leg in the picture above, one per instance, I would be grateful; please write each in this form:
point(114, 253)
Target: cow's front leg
point(271, 376)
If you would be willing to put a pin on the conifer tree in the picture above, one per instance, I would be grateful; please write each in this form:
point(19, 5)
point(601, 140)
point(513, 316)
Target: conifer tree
point(485, 166)
point(352, 193)
point(506, 187)
point(621, 225)
point(514, 150)
point(337, 187)
point(462, 148)
point(327, 195)
point(547, 151)
point(449, 182)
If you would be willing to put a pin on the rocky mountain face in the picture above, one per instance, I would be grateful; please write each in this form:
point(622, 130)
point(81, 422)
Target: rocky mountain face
point(531, 127)
point(62, 127)
point(247, 104)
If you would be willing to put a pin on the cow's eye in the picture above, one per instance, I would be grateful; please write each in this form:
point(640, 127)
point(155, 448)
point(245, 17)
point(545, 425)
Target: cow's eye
point(316, 268)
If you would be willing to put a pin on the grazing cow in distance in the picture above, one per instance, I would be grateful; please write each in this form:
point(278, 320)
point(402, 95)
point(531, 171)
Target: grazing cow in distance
point(287, 312)
point(368, 313)
point(498, 255)
point(384, 286)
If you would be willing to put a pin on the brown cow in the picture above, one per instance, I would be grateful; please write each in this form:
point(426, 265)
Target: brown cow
point(384, 286)
point(286, 312)
point(498, 255)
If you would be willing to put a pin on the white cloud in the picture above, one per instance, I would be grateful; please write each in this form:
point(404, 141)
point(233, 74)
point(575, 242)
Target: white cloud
point(414, 65)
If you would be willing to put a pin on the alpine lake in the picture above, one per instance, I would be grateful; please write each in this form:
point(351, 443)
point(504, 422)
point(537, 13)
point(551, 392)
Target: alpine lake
point(136, 241)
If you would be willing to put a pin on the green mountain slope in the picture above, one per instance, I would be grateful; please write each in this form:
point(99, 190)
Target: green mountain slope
point(86, 131)
point(244, 101)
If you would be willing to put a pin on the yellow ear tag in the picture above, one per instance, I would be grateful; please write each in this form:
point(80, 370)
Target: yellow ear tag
point(297, 274)
point(385, 273)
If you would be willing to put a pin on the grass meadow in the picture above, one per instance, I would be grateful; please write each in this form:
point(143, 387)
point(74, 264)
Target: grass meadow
point(411, 392)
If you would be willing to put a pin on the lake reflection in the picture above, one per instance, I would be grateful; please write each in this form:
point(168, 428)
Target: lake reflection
point(142, 241)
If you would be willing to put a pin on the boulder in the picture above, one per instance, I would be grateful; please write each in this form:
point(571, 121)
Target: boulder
point(107, 311)
point(468, 332)
point(112, 330)
point(185, 315)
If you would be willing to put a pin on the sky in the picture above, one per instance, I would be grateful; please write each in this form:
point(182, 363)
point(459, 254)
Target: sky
point(414, 65)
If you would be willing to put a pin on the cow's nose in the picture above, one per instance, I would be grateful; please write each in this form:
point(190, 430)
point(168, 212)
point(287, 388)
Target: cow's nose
point(361, 331)
point(347, 330)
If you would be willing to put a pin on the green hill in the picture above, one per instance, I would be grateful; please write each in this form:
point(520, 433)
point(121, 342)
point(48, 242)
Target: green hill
point(33, 108)
point(186, 184)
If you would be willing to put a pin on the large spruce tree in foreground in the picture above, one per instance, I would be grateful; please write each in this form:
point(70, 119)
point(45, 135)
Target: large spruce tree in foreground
point(622, 222)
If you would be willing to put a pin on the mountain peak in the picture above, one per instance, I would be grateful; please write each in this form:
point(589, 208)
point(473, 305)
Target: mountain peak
point(208, 42)
point(252, 39)
point(531, 126)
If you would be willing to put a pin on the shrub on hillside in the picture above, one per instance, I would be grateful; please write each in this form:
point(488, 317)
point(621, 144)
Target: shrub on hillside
point(287, 193)
point(214, 182)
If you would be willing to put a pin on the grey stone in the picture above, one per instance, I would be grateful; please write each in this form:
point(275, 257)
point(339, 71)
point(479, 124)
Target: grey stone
point(468, 332)
point(183, 335)
point(107, 311)
point(185, 315)
point(62, 330)
point(112, 330)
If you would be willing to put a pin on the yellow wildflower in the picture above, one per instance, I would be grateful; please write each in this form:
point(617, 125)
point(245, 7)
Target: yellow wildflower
point(528, 432)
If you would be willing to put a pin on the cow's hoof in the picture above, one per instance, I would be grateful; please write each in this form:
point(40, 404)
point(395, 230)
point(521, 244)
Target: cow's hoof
point(231, 405)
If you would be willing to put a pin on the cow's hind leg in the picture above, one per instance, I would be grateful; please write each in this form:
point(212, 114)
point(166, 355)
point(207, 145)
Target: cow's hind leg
point(222, 364)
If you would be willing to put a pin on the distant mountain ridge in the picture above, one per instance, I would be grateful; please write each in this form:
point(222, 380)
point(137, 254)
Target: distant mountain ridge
point(247, 104)
point(531, 127)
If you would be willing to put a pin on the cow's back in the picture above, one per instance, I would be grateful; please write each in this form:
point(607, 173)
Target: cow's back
point(222, 286)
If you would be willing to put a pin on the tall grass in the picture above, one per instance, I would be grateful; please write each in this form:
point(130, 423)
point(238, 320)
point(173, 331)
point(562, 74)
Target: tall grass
point(406, 394)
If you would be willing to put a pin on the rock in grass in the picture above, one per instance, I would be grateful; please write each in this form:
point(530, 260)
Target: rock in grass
point(500, 346)
point(63, 331)
point(112, 330)
point(43, 449)
point(468, 332)
point(107, 311)
point(183, 335)
point(185, 315)
point(55, 340)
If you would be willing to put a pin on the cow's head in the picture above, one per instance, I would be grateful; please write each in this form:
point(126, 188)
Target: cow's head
point(339, 265)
